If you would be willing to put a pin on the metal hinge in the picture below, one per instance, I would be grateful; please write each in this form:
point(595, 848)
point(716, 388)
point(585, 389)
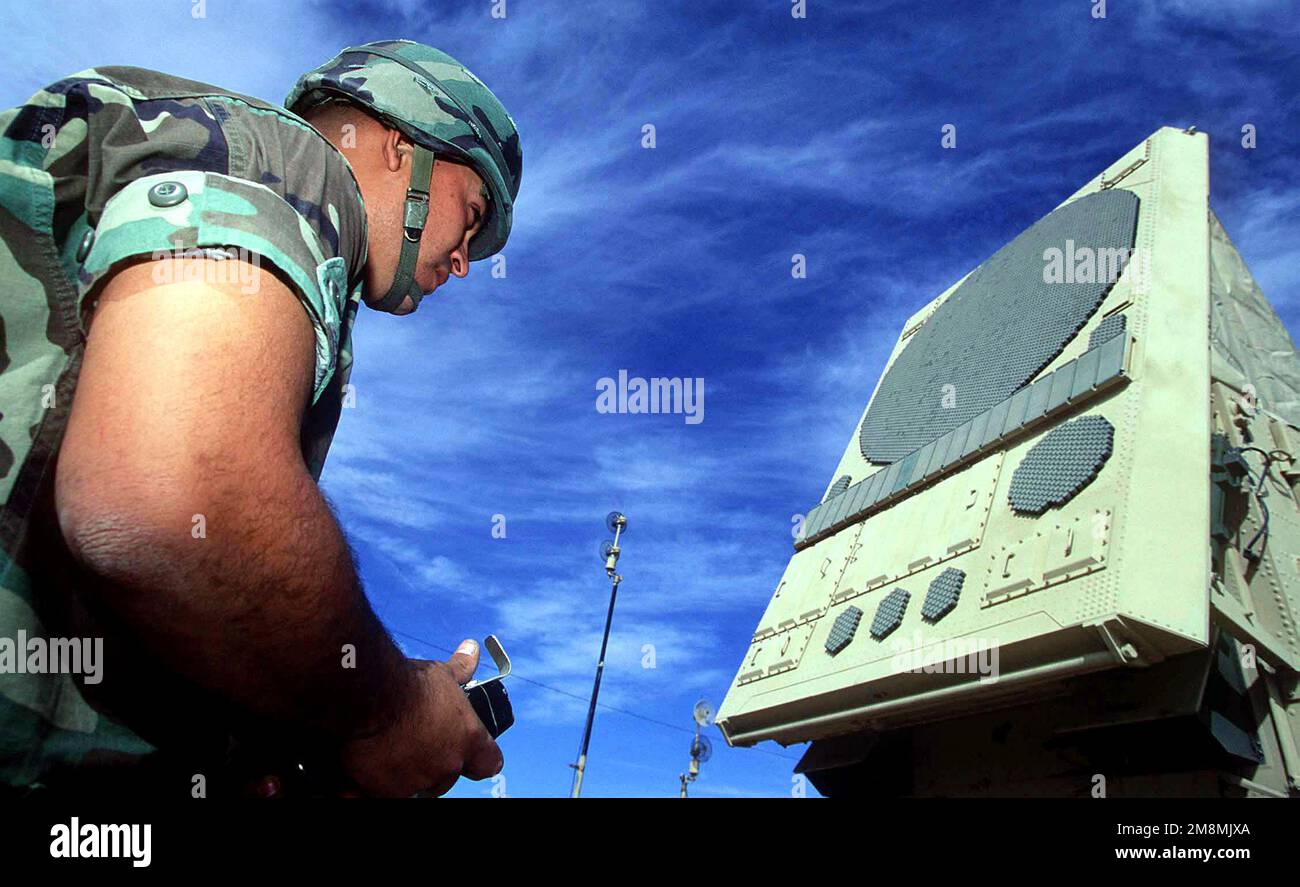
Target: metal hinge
point(1126, 171)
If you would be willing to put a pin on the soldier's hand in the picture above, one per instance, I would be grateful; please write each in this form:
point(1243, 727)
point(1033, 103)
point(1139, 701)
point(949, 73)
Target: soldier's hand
point(437, 739)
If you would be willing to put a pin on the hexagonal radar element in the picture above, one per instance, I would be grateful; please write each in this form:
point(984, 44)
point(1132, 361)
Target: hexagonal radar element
point(889, 615)
point(1061, 464)
point(943, 594)
point(1109, 328)
point(1002, 325)
point(842, 632)
point(841, 484)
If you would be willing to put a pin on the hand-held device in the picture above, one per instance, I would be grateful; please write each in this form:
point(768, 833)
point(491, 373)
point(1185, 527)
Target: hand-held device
point(488, 697)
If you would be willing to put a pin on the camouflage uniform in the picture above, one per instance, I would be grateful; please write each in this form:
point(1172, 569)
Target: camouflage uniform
point(105, 166)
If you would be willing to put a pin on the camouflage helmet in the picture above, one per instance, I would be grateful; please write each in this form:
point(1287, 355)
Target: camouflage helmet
point(436, 102)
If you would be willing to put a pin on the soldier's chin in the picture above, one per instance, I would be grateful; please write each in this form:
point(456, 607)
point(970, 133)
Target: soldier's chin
point(407, 306)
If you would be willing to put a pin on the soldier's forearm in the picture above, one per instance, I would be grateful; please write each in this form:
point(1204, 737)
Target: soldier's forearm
point(254, 597)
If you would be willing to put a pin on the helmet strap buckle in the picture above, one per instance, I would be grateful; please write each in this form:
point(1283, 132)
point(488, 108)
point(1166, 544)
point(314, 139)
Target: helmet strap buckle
point(415, 215)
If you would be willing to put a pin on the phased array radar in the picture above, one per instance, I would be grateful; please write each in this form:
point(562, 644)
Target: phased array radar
point(1061, 552)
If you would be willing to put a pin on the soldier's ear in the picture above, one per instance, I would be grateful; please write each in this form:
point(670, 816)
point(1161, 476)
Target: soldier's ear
point(396, 149)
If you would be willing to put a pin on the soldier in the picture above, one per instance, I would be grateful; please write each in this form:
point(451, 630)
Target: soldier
point(181, 269)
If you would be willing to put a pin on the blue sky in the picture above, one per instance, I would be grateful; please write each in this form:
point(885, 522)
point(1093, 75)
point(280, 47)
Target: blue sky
point(775, 136)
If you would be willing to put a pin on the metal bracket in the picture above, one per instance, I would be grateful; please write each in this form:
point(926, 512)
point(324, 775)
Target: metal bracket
point(1122, 644)
point(1107, 184)
point(499, 657)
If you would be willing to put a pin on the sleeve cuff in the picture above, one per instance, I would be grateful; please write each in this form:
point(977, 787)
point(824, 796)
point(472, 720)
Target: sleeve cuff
point(178, 214)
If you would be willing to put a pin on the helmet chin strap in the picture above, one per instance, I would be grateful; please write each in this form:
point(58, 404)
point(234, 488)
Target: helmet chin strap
point(415, 215)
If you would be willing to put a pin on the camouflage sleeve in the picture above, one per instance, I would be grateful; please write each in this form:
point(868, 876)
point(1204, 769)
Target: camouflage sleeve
point(196, 213)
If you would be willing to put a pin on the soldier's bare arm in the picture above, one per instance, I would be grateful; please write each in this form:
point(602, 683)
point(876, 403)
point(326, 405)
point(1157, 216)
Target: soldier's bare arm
point(187, 416)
